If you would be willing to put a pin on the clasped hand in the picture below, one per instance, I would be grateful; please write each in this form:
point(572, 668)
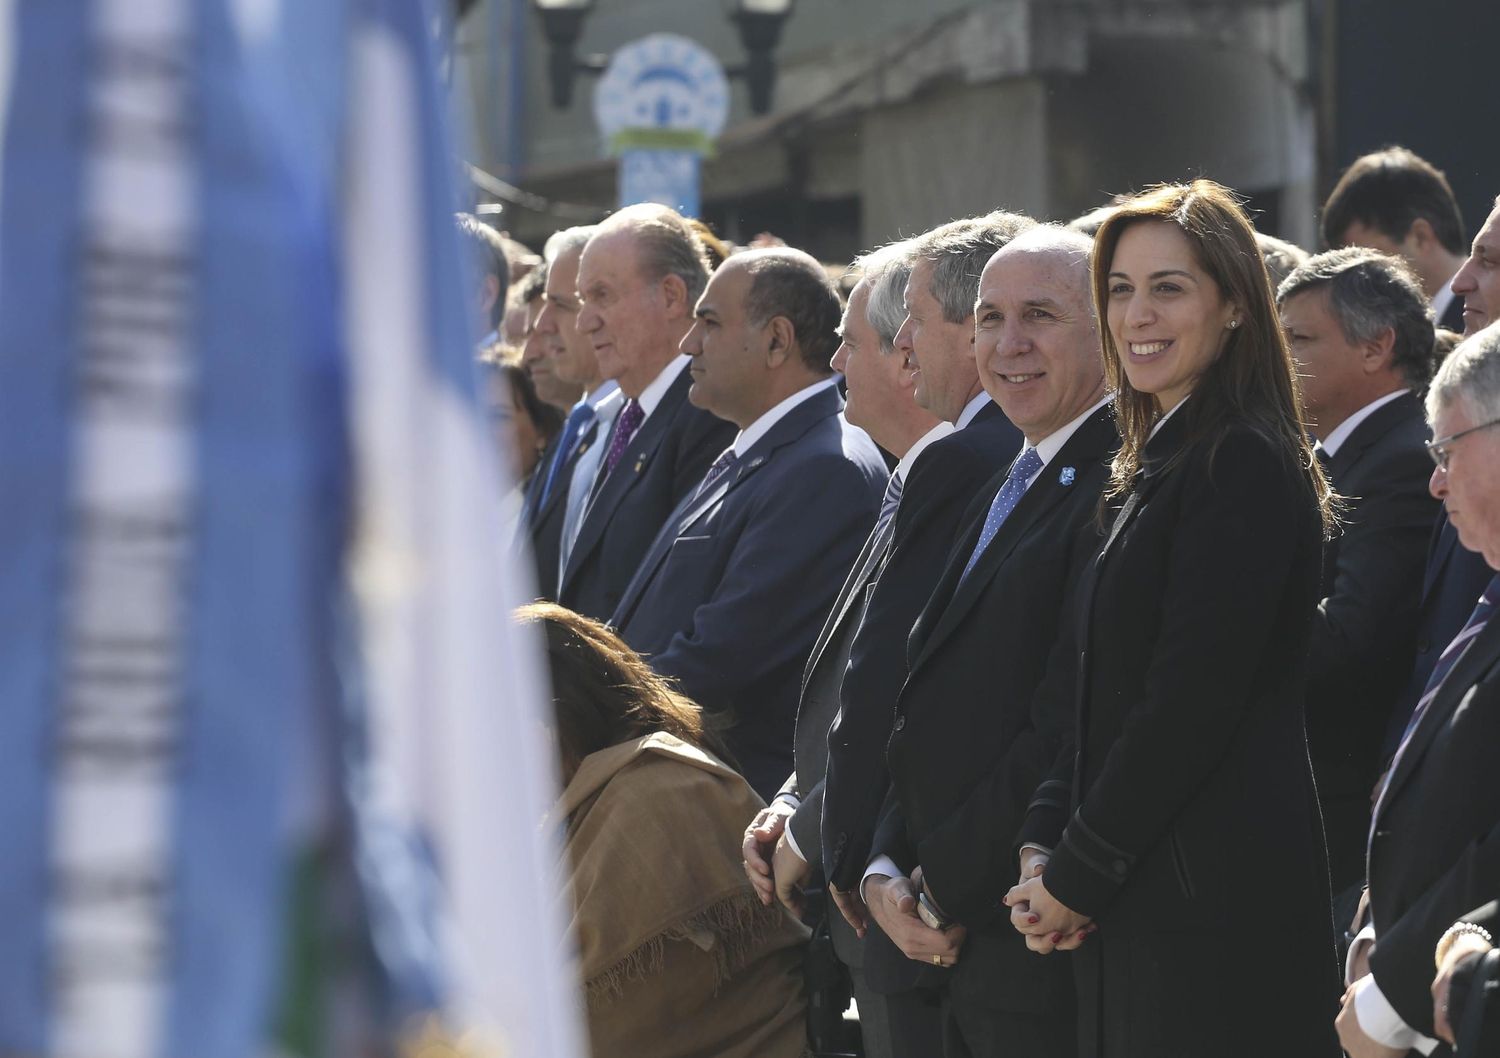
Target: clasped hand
point(893, 902)
point(1048, 924)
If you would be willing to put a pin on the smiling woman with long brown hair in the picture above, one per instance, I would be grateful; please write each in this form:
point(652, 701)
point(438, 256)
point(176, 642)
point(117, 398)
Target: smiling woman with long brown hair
point(1191, 875)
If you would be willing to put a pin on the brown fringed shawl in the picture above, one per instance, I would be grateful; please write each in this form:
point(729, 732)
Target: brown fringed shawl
point(677, 955)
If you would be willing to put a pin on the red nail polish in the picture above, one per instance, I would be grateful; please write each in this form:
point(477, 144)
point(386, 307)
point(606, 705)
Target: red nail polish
point(1055, 938)
point(1033, 919)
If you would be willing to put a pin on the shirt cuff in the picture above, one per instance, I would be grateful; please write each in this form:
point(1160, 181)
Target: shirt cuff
point(1043, 849)
point(1363, 939)
point(880, 865)
point(1379, 1020)
point(791, 842)
point(789, 798)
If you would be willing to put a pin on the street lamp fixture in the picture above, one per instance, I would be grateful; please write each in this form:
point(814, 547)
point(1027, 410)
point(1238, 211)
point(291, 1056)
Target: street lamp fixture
point(563, 22)
point(759, 23)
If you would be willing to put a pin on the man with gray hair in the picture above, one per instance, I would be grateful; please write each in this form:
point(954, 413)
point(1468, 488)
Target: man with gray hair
point(1361, 332)
point(639, 275)
point(1434, 846)
point(984, 711)
point(561, 486)
point(858, 662)
point(937, 337)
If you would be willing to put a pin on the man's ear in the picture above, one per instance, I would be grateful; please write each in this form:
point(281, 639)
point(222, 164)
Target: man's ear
point(782, 341)
point(674, 294)
point(1420, 235)
point(489, 294)
point(1379, 352)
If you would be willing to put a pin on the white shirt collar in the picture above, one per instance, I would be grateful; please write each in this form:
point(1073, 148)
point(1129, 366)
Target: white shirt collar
point(971, 409)
point(903, 466)
point(761, 426)
point(1335, 440)
point(606, 389)
point(657, 388)
point(1441, 300)
point(1048, 447)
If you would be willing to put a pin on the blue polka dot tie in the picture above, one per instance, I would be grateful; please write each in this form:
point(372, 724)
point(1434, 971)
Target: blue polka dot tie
point(1005, 501)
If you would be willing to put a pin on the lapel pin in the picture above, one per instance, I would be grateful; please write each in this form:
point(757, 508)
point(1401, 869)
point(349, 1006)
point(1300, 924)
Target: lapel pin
point(1067, 475)
point(640, 461)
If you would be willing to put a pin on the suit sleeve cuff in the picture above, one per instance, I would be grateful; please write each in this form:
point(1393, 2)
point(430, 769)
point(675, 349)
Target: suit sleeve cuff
point(1086, 871)
point(880, 865)
point(791, 843)
point(1379, 1020)
point(1046, 815)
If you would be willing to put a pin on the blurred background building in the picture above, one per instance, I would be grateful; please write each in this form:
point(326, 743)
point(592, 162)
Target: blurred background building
point(891, 116)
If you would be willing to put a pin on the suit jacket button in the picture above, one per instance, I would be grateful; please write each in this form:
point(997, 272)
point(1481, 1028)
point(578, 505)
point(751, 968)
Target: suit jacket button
point(900, 722)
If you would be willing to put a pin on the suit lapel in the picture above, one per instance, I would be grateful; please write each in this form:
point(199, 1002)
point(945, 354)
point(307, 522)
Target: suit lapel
point(1482, 655)
point(792, 426)
point(1087, 445)
point(1379, 423)
point(565, 473)
point(633, 462)
point(877, 544)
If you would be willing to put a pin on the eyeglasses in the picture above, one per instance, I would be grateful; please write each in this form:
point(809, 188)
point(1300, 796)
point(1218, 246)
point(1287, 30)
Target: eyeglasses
point(1439, 449)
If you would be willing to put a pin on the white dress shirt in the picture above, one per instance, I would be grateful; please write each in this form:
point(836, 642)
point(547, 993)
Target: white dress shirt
point(974, 407)
point(606, 400)
point(746, 438)
point(657, 388)
point(1046, 450)
point(1340, 433)
point(1441, 300)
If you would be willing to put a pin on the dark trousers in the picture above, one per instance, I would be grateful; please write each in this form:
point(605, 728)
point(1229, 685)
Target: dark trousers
point(903, 1025)
point(974, 1031)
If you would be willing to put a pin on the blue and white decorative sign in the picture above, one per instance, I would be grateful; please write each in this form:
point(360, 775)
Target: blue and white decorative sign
point(660, 105)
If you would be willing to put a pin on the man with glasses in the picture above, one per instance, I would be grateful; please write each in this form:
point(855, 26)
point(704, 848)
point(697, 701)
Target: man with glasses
point(1434, 845)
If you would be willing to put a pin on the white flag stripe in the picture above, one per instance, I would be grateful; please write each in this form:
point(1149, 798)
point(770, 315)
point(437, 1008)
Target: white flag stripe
point(119, 689)
point(456, 697)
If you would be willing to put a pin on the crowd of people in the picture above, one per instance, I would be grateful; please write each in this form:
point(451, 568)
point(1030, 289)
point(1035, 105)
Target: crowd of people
point(1066, 640)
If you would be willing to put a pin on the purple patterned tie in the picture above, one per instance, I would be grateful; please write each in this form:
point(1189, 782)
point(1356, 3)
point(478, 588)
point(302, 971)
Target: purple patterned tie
point(631, 417)
point(719, 468)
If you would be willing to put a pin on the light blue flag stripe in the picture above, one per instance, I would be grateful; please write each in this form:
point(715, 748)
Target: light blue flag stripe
point(38, 215)
point(270, 520)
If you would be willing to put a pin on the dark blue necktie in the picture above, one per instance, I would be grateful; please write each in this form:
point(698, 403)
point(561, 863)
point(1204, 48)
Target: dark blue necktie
point(578, 421)
point(720, 467)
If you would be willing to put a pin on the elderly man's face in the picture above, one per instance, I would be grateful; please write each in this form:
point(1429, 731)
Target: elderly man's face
point(1470, 487)
point(1478, 281)
point(623, 314)
point(876, 377)
point(942, 353)
point(1035, 340)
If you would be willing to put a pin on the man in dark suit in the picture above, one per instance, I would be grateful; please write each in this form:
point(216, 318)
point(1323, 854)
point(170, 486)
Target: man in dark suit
point(734, 588)
point(937, 339)
point(638, 278)
point(1358, 327)
point(1398, 203)
point(1455, 575)
point(859, 654)
point(1434, 850)
point(561, 485)
point(974, 730)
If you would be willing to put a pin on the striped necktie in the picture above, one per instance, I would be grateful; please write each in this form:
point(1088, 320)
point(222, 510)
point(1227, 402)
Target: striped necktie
point(1449, 657)
point(889, 502)
point(720, 467)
